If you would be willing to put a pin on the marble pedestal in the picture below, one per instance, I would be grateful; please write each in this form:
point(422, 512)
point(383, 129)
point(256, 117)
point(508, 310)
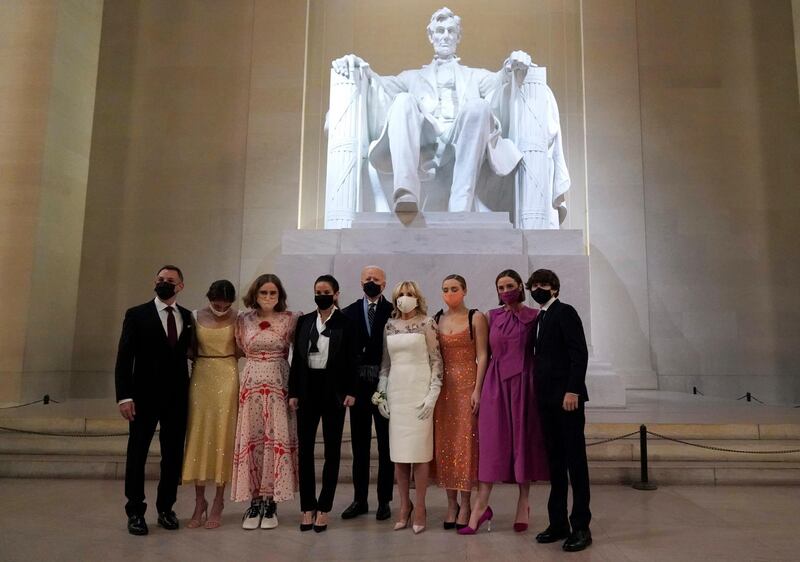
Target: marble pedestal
point(426, 247)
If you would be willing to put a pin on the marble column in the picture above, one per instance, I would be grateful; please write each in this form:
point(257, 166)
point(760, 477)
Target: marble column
point(48, 71)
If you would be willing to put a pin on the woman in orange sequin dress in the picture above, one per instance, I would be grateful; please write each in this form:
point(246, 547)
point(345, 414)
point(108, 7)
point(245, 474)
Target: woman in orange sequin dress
point(463, 337)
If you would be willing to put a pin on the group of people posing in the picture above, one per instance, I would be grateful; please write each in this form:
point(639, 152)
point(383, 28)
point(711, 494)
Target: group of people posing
point(462, 398)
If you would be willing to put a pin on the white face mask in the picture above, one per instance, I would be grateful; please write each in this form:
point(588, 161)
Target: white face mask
point(217, 313)
point(406, 304)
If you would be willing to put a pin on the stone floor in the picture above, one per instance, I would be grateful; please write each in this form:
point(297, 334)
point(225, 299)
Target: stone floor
point(83, 520)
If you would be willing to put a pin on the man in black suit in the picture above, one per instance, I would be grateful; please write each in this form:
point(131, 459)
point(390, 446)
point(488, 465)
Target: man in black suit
point(322, 382)
point(560, 360)
point(152, 382)
point(369, 314)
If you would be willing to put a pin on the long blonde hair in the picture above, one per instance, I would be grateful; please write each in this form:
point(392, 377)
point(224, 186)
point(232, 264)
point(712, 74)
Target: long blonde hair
point(412, 287)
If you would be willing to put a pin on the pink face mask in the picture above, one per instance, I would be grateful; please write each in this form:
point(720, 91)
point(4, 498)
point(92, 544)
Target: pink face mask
point(510, 297)
point(453, 300)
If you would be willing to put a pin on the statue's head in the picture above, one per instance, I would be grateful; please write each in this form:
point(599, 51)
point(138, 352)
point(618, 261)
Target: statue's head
point(444, 32)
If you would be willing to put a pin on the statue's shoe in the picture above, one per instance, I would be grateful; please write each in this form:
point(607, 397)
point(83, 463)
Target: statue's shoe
point(406, 204)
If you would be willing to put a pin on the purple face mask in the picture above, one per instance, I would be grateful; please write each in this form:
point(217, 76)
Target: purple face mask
point(510, 297)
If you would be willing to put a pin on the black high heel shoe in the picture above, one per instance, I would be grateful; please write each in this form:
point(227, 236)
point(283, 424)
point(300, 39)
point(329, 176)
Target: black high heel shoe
point(319, 528)
point(308, 526)
point(448, 525)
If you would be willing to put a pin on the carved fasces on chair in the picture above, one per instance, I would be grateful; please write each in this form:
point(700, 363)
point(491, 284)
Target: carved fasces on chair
point(542, 178)
point(348, 143)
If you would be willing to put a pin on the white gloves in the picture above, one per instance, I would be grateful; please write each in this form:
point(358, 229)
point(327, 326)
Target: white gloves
point(425, 410)
point(379, 398)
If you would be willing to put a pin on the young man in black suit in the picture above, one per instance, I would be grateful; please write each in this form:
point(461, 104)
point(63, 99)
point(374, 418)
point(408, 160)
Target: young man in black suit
point(322, 382)
point(369, 315)
point(560, 359)
point(152, 382)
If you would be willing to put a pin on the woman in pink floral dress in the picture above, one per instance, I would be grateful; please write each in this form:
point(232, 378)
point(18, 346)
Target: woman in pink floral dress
point(265, 455)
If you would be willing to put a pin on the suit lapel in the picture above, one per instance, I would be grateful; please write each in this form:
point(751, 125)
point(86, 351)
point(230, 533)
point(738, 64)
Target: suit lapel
point(304, 333)
point(186, 316)
point(155, 320)
point(382, 313)
point(429, 73)
point(362, 319)
point(550, 315)
point(335, 326)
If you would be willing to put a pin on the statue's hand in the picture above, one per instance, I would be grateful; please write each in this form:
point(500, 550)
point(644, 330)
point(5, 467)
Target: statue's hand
point(518, 60)
point(347, 64)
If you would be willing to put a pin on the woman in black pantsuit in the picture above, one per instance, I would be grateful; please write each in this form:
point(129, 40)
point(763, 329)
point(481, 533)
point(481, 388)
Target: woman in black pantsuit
point(321, 386)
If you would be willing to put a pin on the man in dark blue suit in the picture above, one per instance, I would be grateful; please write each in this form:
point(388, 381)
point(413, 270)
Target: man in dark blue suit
point(369, 314)
point(152, 383)
point(560, 359)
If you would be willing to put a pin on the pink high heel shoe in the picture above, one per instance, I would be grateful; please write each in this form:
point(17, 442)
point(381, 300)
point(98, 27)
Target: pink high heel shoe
point(522, 527)
point(486, 516)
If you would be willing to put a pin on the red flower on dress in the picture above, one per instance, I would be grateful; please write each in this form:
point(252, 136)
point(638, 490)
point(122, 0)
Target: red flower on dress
point(263, 324)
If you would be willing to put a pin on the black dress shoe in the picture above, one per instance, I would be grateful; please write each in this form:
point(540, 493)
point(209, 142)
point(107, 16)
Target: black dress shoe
point(384, 512)
point(552, 535)
point(168, 520)
point(354, 510)
point(578, 540)
point(137, 525)
point(320, 528)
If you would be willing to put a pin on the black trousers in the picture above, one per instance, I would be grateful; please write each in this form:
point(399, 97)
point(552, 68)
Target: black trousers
point(319, 405)
point(361, 419)
point(172, 420)
point(566, 451)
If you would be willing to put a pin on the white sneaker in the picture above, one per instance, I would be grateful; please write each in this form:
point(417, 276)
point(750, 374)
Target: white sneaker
point(269, 517)
point(252, 517)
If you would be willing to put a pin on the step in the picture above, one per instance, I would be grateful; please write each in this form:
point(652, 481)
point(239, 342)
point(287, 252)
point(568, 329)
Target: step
point(594, 430)
point(622, 449)
point(600, 472)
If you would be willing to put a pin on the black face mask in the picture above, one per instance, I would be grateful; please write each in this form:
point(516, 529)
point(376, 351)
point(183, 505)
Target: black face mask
point(541, 296)
point(324, 302)
point(165, 290)
point(372, 289)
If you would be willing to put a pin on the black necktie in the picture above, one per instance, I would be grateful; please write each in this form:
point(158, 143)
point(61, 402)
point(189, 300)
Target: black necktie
point(172, 327)
point(371, 316)
point(539, 326)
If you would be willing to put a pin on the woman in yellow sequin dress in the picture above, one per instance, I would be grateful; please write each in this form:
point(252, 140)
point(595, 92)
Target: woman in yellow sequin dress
point(463, 337)
point(213, 404)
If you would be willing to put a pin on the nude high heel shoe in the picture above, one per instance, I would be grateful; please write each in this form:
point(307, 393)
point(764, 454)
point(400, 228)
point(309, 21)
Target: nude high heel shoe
point(420, 528)
point(400, 525)
point(196, 523)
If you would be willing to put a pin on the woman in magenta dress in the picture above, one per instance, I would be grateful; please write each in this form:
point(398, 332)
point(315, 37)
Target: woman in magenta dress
point(511, 447)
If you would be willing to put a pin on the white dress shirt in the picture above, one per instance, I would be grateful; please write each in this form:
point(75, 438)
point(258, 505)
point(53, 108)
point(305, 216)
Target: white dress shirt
point(161, 307)
point(319, 360)
point(544, 308)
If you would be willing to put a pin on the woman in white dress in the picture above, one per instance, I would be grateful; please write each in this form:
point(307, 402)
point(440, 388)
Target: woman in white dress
point(410, 381)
